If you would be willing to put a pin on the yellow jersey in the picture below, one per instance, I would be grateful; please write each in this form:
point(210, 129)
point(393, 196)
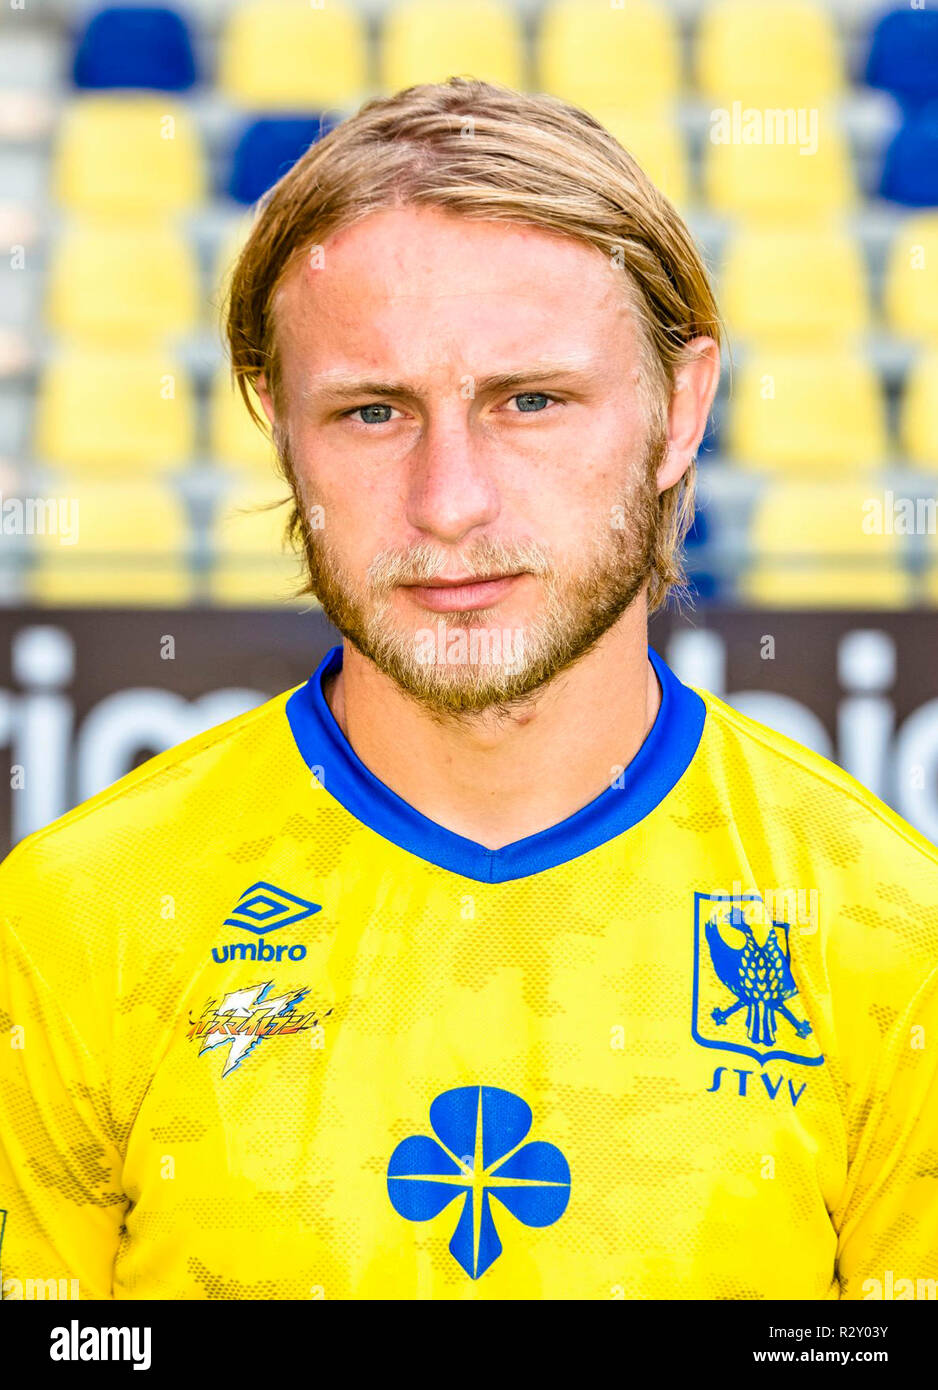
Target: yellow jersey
point(268, 1032)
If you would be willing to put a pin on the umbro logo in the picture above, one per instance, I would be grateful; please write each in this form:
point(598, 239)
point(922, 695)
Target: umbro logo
point(263, 908)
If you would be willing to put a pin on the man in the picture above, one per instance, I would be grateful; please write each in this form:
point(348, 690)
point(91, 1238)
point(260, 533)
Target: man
point(493, 962)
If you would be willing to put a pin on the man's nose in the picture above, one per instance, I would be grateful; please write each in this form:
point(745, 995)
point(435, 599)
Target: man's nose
point(452, 487)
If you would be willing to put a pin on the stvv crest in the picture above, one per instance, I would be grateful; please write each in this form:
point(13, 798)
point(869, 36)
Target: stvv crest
point(745, 996)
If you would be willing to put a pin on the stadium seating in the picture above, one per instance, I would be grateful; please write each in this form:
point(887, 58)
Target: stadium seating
point(236, 442)
point(253, 565)
point(135, 46)
point(814, 544)
point(918, 421)
point(781, 54)
point(910, 292)
point(930, 579)
point(267, 149)
point(702, 584)
point(910, 166)
point(795, 287)
point(130, 549)
point(427, 40)
point(288, 55)
point(903, 55)
point(809, 413)
point(227, 250)
point(128, 155)
point(179, 118)
point(115, 413)
point(657, 145)
point(774, 183)
point(596, 54)
point(123, 285)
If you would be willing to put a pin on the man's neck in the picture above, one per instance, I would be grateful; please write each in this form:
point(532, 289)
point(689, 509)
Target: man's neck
point(497, 779)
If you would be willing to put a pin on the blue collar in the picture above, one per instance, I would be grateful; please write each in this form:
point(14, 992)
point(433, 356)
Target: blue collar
point(656, 768)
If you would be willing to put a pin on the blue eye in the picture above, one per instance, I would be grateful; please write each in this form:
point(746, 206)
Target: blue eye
point(531, 401)
point(371, 419)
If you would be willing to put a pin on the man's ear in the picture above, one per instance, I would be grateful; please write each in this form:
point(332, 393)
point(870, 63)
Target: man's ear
point(695, 385)
point(260, 386)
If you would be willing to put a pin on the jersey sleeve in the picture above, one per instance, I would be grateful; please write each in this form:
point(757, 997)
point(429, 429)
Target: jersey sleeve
point(888, 1218)
point(61, 1204)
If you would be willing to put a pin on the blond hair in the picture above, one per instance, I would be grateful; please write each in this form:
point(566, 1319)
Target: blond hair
point(489, 152)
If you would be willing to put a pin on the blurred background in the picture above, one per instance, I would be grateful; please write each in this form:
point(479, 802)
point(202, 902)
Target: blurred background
point(144, 592)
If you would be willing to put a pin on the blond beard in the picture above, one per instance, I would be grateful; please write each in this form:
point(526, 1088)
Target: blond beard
point(439, 665)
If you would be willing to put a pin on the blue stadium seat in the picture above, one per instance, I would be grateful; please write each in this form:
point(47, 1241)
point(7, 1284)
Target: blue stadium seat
point(267, 149)
point(910, 168)
point(128, 46)
point(903, 56)
point(701, 583)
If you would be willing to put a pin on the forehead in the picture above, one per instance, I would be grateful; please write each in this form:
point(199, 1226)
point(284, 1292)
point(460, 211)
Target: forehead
point(420, 288)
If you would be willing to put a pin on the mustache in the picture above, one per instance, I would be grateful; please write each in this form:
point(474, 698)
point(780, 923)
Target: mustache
point(420, 563)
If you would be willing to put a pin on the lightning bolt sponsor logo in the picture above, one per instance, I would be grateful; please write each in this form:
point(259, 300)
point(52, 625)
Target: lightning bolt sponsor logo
point(246, 1017)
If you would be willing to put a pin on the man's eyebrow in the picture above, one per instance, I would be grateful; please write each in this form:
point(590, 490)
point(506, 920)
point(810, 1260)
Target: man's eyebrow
point(341, 386)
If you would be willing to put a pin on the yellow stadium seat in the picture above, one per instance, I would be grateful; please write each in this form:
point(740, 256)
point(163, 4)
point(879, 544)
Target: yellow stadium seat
point(806, 413)
point(596, 54)
point(431, 40)
point(929, 580)
point(130, 547)
point(918, 413)
point(122, 284)
point(785, 53)
point(254, 564)
point(793, 286)
point(235, 440)
point(774, 183)
point(114, 413)
point(289, 55)
point(654, 143)
point(910, 291)
point(818, 545)
point(226, 255)
point(128, 155)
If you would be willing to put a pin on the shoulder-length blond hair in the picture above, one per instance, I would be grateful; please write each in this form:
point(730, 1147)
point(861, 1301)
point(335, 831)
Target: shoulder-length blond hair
point(487, 151)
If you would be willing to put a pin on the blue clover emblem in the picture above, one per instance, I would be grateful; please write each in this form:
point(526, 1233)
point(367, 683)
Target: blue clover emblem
point(478, 1153)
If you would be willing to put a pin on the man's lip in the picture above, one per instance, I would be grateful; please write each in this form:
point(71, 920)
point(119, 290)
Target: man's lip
point(439, 582)
point(445, 595)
